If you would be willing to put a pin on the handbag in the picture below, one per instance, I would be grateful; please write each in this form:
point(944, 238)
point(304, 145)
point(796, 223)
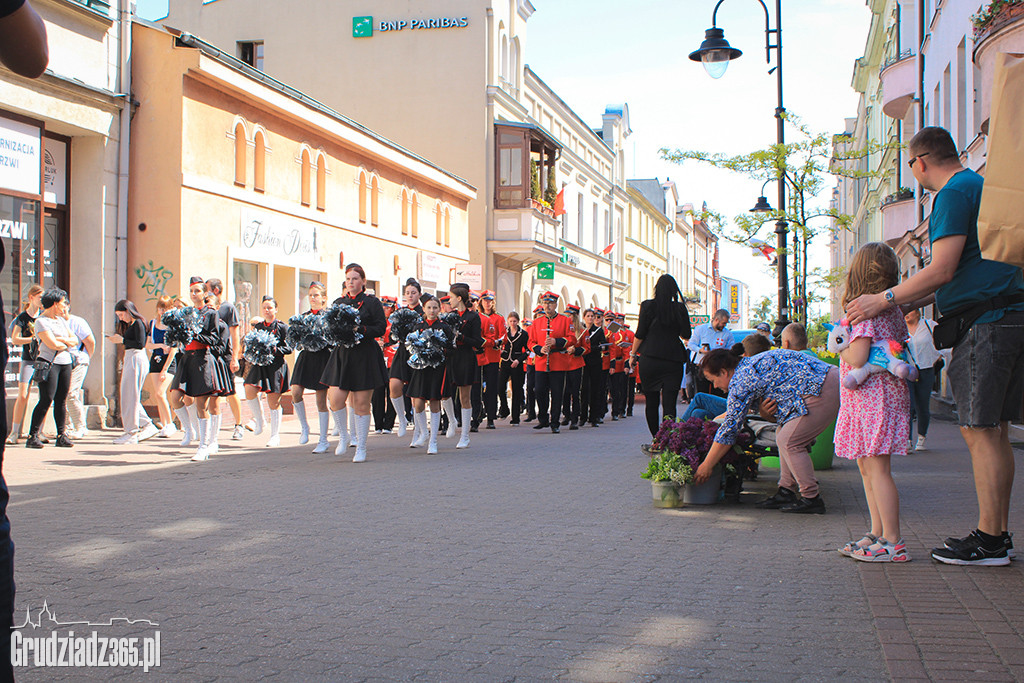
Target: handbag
point(41, 370)
point(952, 328)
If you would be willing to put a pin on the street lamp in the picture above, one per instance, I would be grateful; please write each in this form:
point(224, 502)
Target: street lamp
point(715, 53)
point(762, 205)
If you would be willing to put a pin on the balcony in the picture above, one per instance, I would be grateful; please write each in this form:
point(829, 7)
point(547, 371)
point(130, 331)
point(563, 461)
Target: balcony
point(1003, 32)
point(899, 85)
point(525, 235)
point(899, 215)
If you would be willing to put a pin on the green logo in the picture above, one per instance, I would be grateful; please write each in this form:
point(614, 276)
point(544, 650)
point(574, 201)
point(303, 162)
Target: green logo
point(362, 27)
point(546, 270)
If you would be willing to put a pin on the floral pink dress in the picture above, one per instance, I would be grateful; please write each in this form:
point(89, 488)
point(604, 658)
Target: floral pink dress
point(874, 418)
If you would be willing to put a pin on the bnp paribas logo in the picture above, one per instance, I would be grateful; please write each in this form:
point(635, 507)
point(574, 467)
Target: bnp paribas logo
point(362, 27)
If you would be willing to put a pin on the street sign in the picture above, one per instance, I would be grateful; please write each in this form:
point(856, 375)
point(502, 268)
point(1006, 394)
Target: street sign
point(546, 270)
point(699, 319)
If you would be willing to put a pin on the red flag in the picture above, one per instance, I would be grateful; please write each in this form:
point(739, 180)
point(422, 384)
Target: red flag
point(607, 250)
point(560, 202)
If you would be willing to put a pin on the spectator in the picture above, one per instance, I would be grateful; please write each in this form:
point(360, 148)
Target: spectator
point(794, 338)
point(23, 335)
point(765, 330)
point(707, 338)
point(925, 356)
point(984, 302)
point(131, 332)
point(55, 340)
point(82, 354)
point(162, 362)
point(710, 406)
point(754, 344)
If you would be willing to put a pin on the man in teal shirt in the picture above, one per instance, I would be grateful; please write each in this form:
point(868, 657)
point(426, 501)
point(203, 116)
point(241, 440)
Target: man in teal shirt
point(986, 372)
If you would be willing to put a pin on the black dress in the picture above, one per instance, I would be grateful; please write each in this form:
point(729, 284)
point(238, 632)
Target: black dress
point(272, 378)
point(201, 371)
point(468, 341)
point(361, 367)
point(431, 384)
point(662, 353)
point(309, 367)
point(399, 364)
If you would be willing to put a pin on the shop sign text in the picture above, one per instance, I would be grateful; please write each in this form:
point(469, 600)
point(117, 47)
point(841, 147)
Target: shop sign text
point(277, 239)
point(19, 156)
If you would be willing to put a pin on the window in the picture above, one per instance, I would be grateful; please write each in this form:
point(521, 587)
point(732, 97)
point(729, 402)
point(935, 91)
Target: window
point(251, 53)
point(447, 225)
point(240, 154)
point(594, 246)
point(305, 176)
point(405, 211)
point(249, 291)
point(362, 189)
point(629, 289)
point(374, 192)
point(579, 218)
point(414, 217)
point(259, 161)
point(321, 181)
point(439, 220)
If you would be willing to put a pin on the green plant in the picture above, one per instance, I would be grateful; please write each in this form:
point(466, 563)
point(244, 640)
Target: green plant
point(668, 466)
point(534, 180)
point(549, 192)
point(983, 19)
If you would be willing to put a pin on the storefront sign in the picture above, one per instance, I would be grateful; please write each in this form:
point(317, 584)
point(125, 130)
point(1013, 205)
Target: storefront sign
point(429, 267)
point(273, 239)
point(55, 172)
point(546, 270)
point(363, 27)
point(470, 274)
point(734, 300)
point(20, 148)
point(699, 319)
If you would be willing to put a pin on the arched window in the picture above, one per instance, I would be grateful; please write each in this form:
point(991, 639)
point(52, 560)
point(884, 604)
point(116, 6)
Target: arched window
point(374, 193)
point(306, 164)
point(414, 218)
point(405, 211)
point(504, 56)
point(361, 181)
point(259, 161)
point(439, 223)
point(447, 225)
point(321, 181)
point(513, 64)
point(240, 141)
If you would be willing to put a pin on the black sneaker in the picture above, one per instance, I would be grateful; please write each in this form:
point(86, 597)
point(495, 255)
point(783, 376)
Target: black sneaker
point(573, 427)
point(490, 424)
point(955, 543)
point(782, 497)
point(33, 441)
point(541, 425)
point(971, 550)
point(529, 418)
point(64, 442)
point(555, 428)
point(806, 506)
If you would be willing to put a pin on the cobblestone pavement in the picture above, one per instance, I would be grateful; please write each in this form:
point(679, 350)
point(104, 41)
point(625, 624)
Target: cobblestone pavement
point(530, 556)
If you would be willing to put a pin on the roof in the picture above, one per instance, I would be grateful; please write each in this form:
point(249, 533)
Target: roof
point(652, 191)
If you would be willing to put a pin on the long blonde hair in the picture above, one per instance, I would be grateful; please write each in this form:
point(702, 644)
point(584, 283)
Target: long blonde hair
point(32, 291)
point(874, 269)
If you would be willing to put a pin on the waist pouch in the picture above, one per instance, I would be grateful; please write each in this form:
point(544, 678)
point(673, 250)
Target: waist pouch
point(952, 328)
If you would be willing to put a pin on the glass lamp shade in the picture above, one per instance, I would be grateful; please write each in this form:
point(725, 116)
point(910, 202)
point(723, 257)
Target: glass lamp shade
point(715, 53)
point(715, 62)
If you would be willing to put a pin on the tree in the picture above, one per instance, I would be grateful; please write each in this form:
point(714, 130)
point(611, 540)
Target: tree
point(804, 165)
point(763, 311)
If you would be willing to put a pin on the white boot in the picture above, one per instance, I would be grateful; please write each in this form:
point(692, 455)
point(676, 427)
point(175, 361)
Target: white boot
point(403, 424)
point(193, 419)
point(362, 430)
point(325, 426)
point(275, 427)
point(300, 412)
point(203, 452)
point(352, 423)
point(341, 424)
point(467, 418)
point(419, 439)
point(257, 415)
point(187, 437)
point(435, 425)
point(449, 409)
point(211, 437)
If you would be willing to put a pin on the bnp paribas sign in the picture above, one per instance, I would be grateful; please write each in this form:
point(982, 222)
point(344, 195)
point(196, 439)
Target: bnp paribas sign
point(363, 27)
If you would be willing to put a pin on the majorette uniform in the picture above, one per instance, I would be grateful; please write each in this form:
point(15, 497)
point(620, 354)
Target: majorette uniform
point(432, 384)
point(201, 371)
point(309, 366)
point(361, 367)
point(272, 378)
point(468, 338)
point(400, 355)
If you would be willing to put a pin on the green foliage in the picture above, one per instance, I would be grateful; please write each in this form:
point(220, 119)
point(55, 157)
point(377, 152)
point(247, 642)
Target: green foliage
point(550, 192)
point(534, 180)
point(669, 466)
point(764, 311)
point(817, 333)
point(986, 17)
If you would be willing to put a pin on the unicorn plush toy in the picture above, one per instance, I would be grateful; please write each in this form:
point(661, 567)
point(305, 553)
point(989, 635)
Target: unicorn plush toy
point(885, 356)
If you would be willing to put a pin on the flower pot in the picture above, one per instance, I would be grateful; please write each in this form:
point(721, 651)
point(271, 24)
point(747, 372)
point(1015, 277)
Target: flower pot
point(706, 493)
point(665, 494)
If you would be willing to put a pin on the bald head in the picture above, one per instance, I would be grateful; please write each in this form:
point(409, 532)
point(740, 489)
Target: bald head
point(794, 337)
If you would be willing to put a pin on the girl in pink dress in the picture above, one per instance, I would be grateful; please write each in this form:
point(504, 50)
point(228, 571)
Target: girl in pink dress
point(874, 418)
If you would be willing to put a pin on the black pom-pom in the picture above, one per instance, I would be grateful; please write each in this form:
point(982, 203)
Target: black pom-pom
point(426, 348)
point(342, 321)
point(308, 332)
point(451, 319)
point(183, 324)
point(403, 321)
point(259, 346)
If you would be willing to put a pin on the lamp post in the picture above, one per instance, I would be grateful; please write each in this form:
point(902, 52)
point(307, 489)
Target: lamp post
point(715, 53)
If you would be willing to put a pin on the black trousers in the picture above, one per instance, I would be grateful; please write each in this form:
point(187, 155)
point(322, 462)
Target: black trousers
point(549, 388)
point(595, 395)
point(630, 393)
point(382, 409)
point(617, 382)
point(531, 392)
point(477, 399)
point(6, 546)
point(516, 375)
point(491, 388)
point(53, 391)
point(571, 397)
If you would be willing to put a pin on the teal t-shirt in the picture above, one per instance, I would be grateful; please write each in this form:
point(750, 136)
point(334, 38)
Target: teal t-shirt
point(955, 212)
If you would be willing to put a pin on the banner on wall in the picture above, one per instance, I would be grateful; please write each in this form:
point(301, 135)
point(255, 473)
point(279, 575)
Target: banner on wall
point(271, 238)
point(20, 156)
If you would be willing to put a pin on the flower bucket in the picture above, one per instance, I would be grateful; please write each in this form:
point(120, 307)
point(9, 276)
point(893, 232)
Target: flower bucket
point(665, 494)
point(706, 493)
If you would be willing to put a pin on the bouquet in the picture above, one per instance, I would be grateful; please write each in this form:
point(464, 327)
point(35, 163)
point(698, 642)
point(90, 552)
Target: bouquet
point(342, 323)
point(426, 348)
point(308, 332)
point(183, 324)
point(403, 321)
point(679, 448)
point(260, 347)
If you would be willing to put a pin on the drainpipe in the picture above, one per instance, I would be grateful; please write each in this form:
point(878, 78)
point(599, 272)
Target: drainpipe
point(126, 8)
point(921, 123)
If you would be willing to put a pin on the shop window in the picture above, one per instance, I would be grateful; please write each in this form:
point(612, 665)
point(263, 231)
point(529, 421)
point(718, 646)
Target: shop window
point(305, 176)
point(361, 182)
point(405, 211)
point(374, 194)
point(240, 141)
point(248, 291)
point(414, 215)
point(259, 162)
point(21, 239)
point(321, 181)
point(305, 278)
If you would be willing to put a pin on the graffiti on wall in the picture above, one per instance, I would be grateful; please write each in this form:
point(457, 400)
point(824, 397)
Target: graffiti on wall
point(154, 280)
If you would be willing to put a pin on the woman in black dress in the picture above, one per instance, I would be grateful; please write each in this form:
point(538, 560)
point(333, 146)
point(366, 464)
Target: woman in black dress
point(430, 384)
point(309, 368)
point(271, 379)
point(663, 323)
point(400, 370)
point(352, 373)
point(512, 367)
point(463, 366)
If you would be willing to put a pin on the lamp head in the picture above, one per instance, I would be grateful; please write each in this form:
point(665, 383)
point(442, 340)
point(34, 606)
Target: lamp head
point(715, 52)
point(762, 206)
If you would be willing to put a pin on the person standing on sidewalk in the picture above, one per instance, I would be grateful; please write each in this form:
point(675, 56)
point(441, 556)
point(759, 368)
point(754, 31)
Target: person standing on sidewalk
point(984, 300)
point(131, 332)
point(23, 335)
point(874, 418)
point(512, 368)
point(922, 346)
point(228, 314)
point(53, 367)
point(492, 325)
point(82, 354)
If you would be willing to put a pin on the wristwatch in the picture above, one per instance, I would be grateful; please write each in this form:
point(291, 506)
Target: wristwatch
point(890, 298)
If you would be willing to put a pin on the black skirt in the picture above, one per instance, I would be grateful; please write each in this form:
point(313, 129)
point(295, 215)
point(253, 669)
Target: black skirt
point(431, 384)
point(200, 373)
point(309, 368)
point(360, 368)
point(463, 367)
point(400, 364)
point(658, 374)
point(157, 363)
point(271, 378)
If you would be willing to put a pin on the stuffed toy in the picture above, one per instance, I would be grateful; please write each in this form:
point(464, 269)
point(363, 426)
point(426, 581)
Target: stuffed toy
point(887, 355)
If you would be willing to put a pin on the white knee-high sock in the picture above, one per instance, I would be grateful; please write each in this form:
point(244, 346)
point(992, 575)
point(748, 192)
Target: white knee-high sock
point(403, 424)
point(257, 413)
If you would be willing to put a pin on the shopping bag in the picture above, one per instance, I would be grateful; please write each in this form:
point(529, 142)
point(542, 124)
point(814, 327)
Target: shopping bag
point(1000, 219)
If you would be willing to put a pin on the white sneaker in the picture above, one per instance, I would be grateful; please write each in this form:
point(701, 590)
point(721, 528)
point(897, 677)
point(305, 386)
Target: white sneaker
point(148, 432)
point(251, 425)
point(168, 431)
point(202, 453)
point(910, 445)
point(432, 447)
point(321, 447)
point(920, 444)
point(127, 438)
point(238, 433)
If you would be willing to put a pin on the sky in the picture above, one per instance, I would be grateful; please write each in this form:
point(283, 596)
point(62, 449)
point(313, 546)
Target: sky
point(598, 52)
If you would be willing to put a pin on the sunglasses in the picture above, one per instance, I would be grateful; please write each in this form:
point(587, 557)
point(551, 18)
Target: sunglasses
point(911, 162)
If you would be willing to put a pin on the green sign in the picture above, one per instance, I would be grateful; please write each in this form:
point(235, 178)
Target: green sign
point(546, 270)
point(699, 319)
point(565, 255)
point(362, 27)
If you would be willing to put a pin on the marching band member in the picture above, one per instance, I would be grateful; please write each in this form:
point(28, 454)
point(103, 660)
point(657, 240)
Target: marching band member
point(578, 346)
point(383, 411)
point(617, 370)
point(548, 338)
point(463, 365)
point(531, 370)
point(512, 367)
point(309, 368)
point(631, 367)
point(593, 389)
point(399, 373)
point(493, 328)
point(270, 379)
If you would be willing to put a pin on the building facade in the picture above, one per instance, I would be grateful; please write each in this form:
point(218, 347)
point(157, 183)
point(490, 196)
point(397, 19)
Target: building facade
point(648, 228)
